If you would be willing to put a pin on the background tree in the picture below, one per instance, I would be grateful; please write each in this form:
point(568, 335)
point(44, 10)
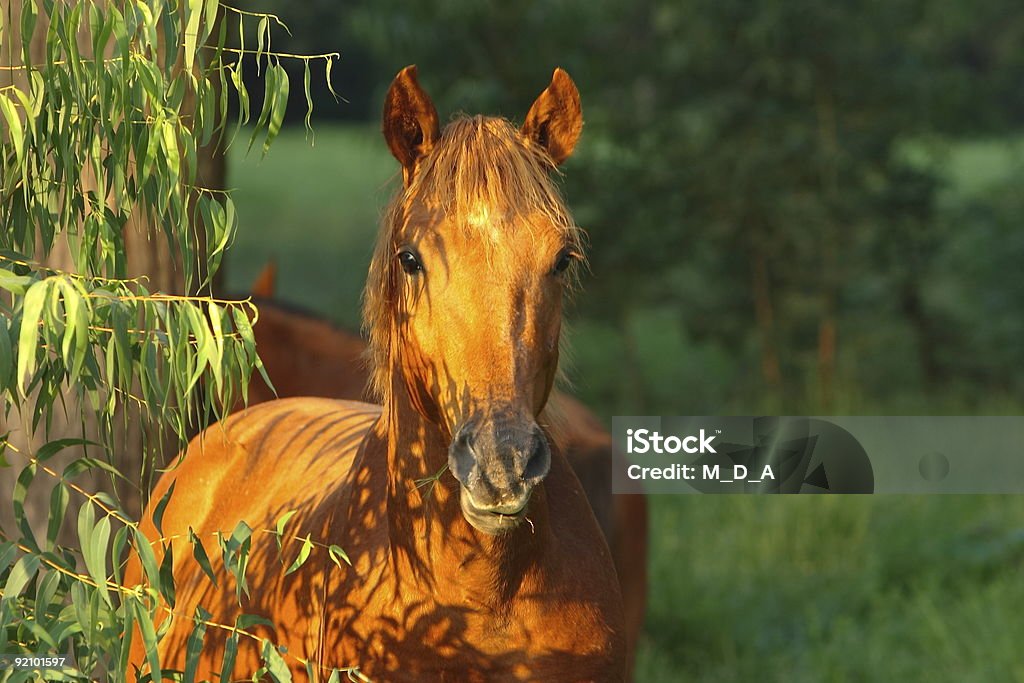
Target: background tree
point(765, 176)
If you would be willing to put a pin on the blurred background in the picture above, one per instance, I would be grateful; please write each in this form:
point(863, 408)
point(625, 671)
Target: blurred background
point(794, 207)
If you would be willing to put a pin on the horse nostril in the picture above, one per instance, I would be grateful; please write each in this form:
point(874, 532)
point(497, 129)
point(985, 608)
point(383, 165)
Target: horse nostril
point(460, 456)
point(540, 461)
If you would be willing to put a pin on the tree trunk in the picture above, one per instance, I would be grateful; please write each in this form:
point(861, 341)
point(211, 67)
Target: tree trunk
point(913, 309)
point(764, 313)
point(828, 140)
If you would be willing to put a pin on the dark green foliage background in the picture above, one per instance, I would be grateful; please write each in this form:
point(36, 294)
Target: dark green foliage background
point(866, 152)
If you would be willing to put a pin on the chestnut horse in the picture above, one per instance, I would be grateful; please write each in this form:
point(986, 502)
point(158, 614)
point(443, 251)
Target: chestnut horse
point(306, 355)
point(496, 571)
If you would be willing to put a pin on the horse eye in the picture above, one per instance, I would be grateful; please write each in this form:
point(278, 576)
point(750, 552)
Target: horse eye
point(410, 264)
point(565, 258)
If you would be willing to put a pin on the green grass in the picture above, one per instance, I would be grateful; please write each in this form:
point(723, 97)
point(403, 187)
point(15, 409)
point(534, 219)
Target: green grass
point(855, 588)
point(843, 589)
point(314, 210)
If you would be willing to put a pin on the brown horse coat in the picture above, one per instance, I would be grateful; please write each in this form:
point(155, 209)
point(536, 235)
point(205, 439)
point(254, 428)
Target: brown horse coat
point(496, 573)
point(305, 355)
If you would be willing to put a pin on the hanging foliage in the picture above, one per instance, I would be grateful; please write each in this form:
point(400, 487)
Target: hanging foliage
point(100, 138)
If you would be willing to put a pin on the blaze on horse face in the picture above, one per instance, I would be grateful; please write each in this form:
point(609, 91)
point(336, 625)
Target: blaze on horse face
point(481, 243)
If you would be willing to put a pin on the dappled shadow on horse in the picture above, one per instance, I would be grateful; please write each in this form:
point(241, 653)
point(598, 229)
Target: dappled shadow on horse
point(306, 355)
point(494, 571)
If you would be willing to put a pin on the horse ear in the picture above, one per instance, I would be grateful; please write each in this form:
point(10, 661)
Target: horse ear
point(266, 281)
point(410, 121)
point(555, 120)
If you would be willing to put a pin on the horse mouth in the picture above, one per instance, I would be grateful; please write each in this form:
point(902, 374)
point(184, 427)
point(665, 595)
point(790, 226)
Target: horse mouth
point(492, 521)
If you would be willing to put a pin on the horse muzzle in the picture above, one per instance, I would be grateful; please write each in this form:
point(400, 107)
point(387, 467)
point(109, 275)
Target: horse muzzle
point(498, 463)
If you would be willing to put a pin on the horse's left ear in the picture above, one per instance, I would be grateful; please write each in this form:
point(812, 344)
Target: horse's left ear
point(556, 118)
point(410, 121)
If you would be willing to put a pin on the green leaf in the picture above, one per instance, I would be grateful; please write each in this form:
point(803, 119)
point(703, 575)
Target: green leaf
point(158, 511)
point(303, 555)
point(270, 92)
point(278, 105)
point(193, 12)
point(282, 522)
point(6, 356)
point(215, 313)
point(31, 320)
point(8, 551)
point(29, 103)
point(94, 537)
point(262, 39)
point(275, 664)
point(58, 507)
point(22, 572)
point(235, 554)
point(230, 653)
point(51, 448)
point(117, 554)
point(121, 320)
point(146, 557)
point(238, 81)
point(21, 486)
point(199, 553)
point(119, 30)
point(197, 327)
point(247, 621)
point(127, 628)
point(337, 553)
point(210, 16)
point(306, 92)
point(79, 320)
point(16, 133)
point(327, 77)
point(72, 303)
point(98, 553)
point(167, 584)
point(46, 597)
point(14, 283)
point(79, 465)
point(169, 139)
point(149, 640)
point(194, 645)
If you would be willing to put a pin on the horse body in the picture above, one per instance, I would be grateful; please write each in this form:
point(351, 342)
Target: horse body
point(474, 554)
point(306, 355)
point(426, 598)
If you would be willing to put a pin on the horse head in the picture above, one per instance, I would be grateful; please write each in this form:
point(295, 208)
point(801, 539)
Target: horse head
point(463, 305)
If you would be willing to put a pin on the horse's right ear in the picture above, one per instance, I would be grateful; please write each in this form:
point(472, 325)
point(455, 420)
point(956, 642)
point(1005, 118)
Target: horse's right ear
point(410, 121)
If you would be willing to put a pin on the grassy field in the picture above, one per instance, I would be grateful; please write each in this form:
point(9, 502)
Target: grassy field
point(742, 589)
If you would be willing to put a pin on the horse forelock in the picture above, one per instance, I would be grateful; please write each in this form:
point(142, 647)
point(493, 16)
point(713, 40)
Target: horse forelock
point(482, 175)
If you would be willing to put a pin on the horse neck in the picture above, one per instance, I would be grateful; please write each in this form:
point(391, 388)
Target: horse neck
point(428, 532)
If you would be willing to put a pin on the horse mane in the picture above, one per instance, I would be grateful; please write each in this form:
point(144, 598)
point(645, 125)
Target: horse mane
point(478, 162)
